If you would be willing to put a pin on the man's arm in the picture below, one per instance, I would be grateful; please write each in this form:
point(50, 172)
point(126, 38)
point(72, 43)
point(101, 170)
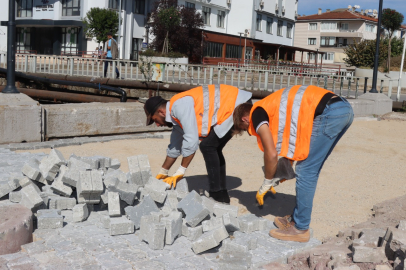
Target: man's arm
point(270, 153)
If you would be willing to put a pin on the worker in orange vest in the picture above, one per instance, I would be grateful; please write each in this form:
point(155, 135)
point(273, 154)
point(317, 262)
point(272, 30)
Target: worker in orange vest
point(205, 113)
point(298, 123)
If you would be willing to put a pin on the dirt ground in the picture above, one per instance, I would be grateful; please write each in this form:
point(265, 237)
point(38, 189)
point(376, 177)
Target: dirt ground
point(365, 168)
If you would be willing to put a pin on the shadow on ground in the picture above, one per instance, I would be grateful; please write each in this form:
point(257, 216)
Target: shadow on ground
point(279, 204)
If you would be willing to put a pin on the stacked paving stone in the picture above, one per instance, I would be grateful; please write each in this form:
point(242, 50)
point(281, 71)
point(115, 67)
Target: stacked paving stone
point(80, 203)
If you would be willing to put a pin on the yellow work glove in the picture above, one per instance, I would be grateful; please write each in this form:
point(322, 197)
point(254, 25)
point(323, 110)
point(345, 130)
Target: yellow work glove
point(163, 173)
point(267, 185)
point(174, 179)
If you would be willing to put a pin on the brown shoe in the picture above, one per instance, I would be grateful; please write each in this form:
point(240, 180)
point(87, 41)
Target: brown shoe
point(282, 222)
point(290, 233)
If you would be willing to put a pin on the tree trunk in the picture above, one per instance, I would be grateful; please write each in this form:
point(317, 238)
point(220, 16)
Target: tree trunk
point(389, 53)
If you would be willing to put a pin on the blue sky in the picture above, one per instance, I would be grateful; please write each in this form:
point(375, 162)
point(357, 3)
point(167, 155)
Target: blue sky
point(309, 7)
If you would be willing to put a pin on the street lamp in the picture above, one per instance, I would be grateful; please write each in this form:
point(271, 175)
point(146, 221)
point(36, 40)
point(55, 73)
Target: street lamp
point(11, 52)
point(376, 62)
point(239, 52)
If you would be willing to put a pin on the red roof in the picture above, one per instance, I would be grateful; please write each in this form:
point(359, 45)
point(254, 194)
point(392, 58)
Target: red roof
point(337, 15)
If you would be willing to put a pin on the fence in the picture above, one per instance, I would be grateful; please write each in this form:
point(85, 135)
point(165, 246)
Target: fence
point(243, 77)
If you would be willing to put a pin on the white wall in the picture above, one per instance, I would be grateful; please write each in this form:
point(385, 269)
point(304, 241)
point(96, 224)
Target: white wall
point(3, 29)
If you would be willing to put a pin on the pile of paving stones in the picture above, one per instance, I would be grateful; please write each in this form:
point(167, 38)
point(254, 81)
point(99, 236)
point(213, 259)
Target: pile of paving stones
point(93, 191)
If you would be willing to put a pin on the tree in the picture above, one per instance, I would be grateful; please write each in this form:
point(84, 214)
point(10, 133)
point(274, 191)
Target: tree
point(99, 21)
point(362, 54)
point(391, 21)
point(179, 26)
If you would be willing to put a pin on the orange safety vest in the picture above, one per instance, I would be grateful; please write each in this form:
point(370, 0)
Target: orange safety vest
point(291, 114)
point(213, 105)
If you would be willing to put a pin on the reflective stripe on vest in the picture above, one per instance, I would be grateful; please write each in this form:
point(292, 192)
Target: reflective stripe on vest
point(206, 106)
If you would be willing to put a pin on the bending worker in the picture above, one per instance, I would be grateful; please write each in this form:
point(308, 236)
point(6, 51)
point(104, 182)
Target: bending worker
point(206, 113)
point(303, 124)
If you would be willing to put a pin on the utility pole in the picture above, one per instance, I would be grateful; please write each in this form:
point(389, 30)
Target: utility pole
point(401, 68)
point(11, 51)
point(376, 62)
point(239, 52)
point(119, 28)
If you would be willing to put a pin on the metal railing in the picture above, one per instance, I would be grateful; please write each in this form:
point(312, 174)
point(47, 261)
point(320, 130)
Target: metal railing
point(243, 77)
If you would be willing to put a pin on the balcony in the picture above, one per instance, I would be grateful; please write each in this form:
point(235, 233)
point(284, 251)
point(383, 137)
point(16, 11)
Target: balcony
point(343, 34)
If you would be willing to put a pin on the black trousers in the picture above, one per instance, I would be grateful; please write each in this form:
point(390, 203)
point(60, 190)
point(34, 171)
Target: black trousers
point(212, 150)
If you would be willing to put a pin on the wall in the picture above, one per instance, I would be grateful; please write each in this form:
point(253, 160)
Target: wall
point(3, 29)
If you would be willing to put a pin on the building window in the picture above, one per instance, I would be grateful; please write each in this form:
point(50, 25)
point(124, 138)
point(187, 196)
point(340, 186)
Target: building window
point(190, 5)
point(280, 28)
point(113, 4)
point(213, 49)
point(139, 6)
point(328, 26)
point(220, 18)
point(259, 22)
point(370, 28)
point(312, 26)
point(233, 51)
point(344, 26)
point(69, 44)
point(24, 8)
point(135, 48)
point(289, 30)
point(311, 41)
point(23, 40)
point(70, 7)
point(269, 22)
point(327, 41)
point(206, 15)
point(328, 56)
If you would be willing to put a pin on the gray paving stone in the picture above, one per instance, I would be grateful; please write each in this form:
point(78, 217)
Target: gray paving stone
point(80, 212)
point(145, 207)
point(114, 204)
point(60, 187)
point(127, 191)
point(194, 233)
point(248, 223)
point(221, 209)
point(121, 225)
point(152, 232)
point(173, 225)
point(156, 189)
point(30, 197)
point(35, 247)
point(15, 196)
point(32, 171)
point(212, 223)
point(193, 208)
point(115, 164)
point(148, 265)
point(120, 175)
point(77, 163)
point(89, 187)
point(140, 169)
point(50, 164)
point(208, 203)
point(230, 222)
point(71, 177)
point(49, 219)
point(61, 203)
point(210, 240)
point(182, 189)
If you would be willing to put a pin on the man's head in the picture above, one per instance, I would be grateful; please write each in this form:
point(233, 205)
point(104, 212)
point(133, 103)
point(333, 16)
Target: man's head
point(155, 109)
point(109, 35)
point(241, 117)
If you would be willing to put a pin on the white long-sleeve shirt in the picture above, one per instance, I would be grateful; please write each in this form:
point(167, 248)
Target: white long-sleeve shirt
point(185, 140)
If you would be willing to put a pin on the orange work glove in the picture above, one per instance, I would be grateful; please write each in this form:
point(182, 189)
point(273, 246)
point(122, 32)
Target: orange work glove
point(174, 179)
point(163, 173)
point(267, 185)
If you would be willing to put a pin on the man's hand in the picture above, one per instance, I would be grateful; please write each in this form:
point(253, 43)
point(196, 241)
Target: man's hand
point(174, 179)
point(266, 186)
point(163, 173)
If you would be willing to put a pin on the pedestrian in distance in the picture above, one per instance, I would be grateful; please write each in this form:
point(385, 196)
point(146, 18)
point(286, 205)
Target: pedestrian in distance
point(299, 123)
point(111, 54)
point(203, 113)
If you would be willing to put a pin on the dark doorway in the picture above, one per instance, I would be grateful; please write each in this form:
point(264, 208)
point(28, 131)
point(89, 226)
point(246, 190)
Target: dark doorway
point(44, 40)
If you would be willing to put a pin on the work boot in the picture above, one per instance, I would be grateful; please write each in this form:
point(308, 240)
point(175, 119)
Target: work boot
point(220, 196)
point(282, 222)
point(290, 233)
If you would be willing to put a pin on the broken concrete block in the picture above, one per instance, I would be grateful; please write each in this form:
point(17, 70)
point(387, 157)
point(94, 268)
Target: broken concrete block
point(15, 196)
point(115, 164)
point(194, 233)
point(173, 225)
point(128, 192)
point(50, 164)
point(71, 177)
point(61, 203)
point(248, 223)
point(212, 223)
point(58, 186)
point(398, 240)
point(209, 240)
point(32, 171)
point(8, 186)
point(114, 204)
point(193, 208)
point(182, 189)
point(78, 164)
point(156, 189)
point(146, 207)
point(368, 254)
point(80, 212)
point(231, 223)
point(369, 237)
point(221, 209)
point(49, 219)
point(30, 197)
point(121, 225)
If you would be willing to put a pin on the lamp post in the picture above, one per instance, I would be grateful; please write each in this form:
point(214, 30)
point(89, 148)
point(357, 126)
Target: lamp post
point(376, 62)
point(239, 52)
point(401, 68)
point(147, 26)
point(11, 51)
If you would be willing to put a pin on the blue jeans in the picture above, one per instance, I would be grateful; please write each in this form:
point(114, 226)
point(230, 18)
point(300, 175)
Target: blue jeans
point(106, 65)
point(328, 128)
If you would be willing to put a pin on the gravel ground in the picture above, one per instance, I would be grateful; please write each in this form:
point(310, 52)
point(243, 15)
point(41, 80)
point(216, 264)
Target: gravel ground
point(365, 168)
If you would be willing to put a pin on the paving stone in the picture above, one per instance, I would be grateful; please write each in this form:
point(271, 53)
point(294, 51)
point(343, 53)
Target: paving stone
point(60, 187)
point(231, 223)
point(397, 241)
point(114, 204)
point(152, 232)
point(35, 247)
point(265, 225)
point(194, 233)
point(115, 164)
point(78, 163)
point(15, 196)
point(128, 192)
point(171, 201)
point(248, 223)
point(193, 208)
point(209, 240)
point(89, 187)
point(140, 169)
point(221, 209)
point(30, 197)
point(369, 237)
point(368, 254)
point(108, 260)
point(120, 175)
point(71, 177)
point(32, 171)
point(80, 212)
point(212, 223)
point(208, 203)
point(234, 260)
point(173, 225)
point(182, 189)
point(50, 164)
point(49, 219)
point(148, 265)
point(121, 225)
point(156, 189)
point(145, 207)
point(61, 203)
